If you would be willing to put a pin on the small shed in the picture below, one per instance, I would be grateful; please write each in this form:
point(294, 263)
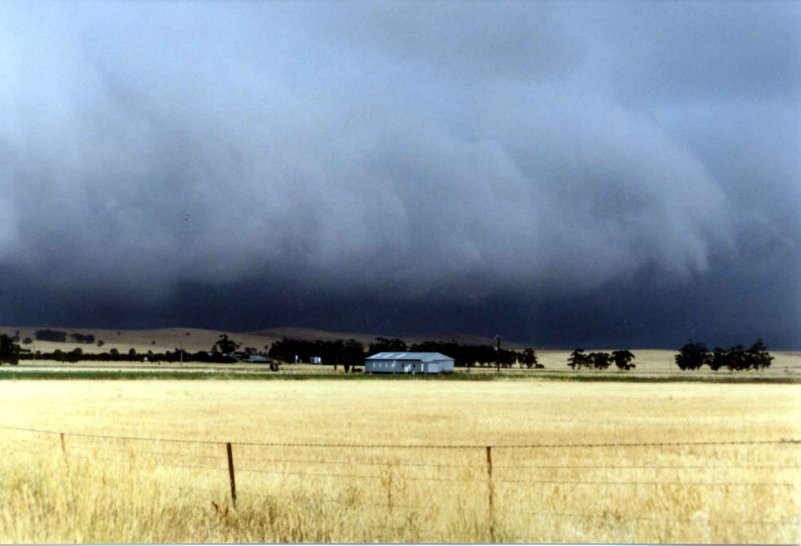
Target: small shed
point(255, 359)
point(408, 363)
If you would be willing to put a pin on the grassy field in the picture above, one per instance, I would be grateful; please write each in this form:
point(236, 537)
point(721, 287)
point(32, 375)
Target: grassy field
point(323, 461)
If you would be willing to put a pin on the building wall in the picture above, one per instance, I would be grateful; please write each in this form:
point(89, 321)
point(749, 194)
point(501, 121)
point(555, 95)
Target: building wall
point(407, 366)
point(445, 366)
point(384, 366)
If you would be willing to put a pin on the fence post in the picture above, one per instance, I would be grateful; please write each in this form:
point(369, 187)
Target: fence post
point(231, 472)
point(491, 493)
point(389, 490)
point(63, 448)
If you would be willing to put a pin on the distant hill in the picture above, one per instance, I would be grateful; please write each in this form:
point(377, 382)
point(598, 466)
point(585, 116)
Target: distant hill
point(310, 334)
point(156, 340)
point(197, 339)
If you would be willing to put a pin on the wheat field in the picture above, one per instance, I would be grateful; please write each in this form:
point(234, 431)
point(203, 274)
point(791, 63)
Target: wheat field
point(328, 461)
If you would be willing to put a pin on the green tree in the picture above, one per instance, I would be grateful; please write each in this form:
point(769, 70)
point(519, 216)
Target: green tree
point(225, 345)
point(717, 359)
point(736, 359)
point(600, 361)
point(9, 351)
point(759, 355)
point(579, 360)
point(622, 359)
point(386, 345)
point(692, 356)
point(353, 352)
point(529, 358)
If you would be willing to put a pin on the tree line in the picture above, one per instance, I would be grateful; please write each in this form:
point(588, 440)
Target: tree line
point(692, 356)
point(57, 336)
point(9, 351)
point(352, 352)
point(224, 350)
point(348, 353)
point(601, 361)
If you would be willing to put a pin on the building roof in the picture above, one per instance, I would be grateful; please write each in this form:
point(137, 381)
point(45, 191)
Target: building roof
point(422, 357)
point(255, 358)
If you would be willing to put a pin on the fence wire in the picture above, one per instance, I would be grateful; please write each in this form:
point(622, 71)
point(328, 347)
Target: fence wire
point(141, 452)
point(790, 441)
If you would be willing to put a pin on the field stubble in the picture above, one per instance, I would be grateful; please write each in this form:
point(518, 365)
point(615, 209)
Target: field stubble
point(100, 489)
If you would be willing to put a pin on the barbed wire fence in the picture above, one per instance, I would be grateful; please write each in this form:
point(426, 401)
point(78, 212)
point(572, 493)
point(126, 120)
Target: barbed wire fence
point(493, 474)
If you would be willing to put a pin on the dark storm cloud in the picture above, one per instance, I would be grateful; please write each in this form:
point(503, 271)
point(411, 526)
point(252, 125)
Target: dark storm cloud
point(475, 42)
point(676, 51)
point(501, 162)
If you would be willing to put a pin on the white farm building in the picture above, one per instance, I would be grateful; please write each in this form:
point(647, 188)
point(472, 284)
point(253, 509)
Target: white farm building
point(408, 363)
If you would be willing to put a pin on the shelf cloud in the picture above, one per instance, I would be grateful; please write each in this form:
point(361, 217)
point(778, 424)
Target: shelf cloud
point(357, 165)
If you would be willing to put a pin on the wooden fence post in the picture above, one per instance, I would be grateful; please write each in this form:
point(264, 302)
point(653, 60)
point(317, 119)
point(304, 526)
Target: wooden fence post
point(491, 493)
point(231, 472)
point(389, 490)
point(63, 448)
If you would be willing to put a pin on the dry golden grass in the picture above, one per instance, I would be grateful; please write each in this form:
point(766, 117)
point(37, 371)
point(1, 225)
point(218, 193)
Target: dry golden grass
point(105, 490)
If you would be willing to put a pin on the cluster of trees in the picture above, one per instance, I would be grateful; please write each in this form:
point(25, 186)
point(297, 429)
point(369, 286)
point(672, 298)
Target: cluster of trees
point(58, 336)
point(346, 352)
point(9, 351)
point(224, 347)
point(114, 355)
point(51, 335)
point(224, 350)
point(601, 361)
point(352, 352)
point(694, 355)
point(481, 355)
point(76, 354)
point(82, 338)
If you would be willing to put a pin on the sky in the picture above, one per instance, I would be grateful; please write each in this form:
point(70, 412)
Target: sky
point(599, 174)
